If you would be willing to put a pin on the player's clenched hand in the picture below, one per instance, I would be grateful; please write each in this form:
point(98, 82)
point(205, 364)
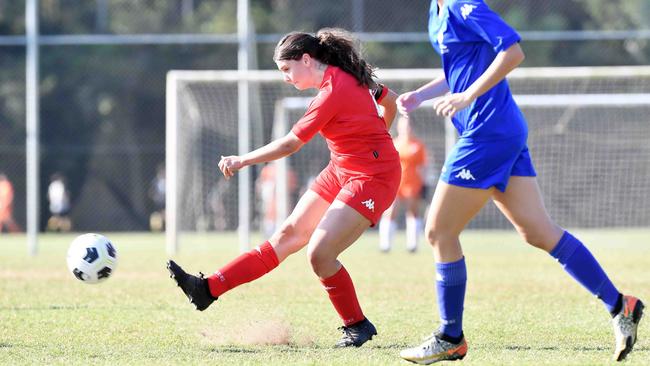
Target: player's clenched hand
point(450, 104)
point(408, 102)
point(229, 165)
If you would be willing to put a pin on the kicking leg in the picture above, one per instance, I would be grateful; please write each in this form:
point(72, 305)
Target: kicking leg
point(291, 237)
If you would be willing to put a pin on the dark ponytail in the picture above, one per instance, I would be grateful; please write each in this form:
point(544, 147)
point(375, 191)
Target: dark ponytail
point(331, 46)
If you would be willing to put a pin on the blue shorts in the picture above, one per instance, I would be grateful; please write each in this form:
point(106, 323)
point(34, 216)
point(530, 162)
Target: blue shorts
point(484, 164)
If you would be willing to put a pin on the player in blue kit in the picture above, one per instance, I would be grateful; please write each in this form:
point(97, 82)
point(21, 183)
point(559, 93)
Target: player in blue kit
point(491, 161)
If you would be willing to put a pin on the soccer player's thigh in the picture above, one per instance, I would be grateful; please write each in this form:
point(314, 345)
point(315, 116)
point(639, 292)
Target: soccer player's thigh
point(341, 226)
point(296, 229)
point(523, 205)
point(452, 208)
point(358, 205)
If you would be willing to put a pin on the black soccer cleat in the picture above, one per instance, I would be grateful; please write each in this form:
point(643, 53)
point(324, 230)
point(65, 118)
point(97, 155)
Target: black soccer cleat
point(356, 334)
point(195, 288)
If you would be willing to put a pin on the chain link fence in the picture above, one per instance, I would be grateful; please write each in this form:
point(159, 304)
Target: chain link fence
point(102, 113)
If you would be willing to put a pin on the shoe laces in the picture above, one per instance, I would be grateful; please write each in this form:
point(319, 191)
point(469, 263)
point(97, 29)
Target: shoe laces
point(429, 340)
point(348, 331)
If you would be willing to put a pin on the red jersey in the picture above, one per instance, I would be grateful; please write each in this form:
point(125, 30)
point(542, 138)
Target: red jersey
point(347, 116)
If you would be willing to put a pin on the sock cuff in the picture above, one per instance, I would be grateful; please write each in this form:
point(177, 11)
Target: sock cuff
point(267, 255)
point(565, 248)
point(335, 278)
point(452, 273)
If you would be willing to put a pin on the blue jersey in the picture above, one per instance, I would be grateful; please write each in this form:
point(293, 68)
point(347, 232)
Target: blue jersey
point(468, 35)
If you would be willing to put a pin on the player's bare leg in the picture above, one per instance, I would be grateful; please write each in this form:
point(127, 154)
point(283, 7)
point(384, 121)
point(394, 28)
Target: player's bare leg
point(340, 227)
point(523, 206)
point(291, 237)
point(452, 207)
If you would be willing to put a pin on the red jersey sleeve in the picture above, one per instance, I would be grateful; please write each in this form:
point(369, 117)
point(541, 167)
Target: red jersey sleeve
point(321, 110)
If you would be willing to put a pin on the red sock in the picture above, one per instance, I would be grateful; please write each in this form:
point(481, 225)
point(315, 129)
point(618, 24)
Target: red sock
point(340, 289)
point(245, 268)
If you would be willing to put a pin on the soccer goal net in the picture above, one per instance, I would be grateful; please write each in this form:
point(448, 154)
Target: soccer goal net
point(589, 136)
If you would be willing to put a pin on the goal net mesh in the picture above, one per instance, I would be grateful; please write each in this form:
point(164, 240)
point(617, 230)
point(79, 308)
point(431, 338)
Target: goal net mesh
point(589, 136)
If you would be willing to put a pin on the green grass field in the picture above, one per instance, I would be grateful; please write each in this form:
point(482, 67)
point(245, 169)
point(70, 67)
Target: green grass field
point(521, 308)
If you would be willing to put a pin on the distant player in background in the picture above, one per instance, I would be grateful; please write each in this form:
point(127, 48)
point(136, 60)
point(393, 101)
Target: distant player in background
point(412, 154)
point(491, 161)
point(266, 188)
point(59, 199)
point(7, 222)
point(347, 197)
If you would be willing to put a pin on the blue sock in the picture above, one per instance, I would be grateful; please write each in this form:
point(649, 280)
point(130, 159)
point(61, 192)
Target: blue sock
point(583, 267)
point(451, 279)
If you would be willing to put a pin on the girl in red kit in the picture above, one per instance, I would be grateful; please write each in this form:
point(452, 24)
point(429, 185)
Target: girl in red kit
point(347, 197)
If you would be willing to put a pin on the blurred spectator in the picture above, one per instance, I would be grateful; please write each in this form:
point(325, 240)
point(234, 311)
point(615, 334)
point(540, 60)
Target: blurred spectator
point(59, 198)
point(7, 222)
point(412, 154)
point(157, 196)
point(267, 191)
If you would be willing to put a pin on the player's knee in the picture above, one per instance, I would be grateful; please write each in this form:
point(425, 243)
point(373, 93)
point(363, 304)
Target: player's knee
point(319, 260)
point(537, 239)
point(292, 235)
point(435, 235)
point(298, 233)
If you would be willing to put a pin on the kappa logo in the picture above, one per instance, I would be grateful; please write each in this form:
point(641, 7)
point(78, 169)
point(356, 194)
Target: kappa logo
point(465, 174)
point(220, 276)
point(466, 10)
point(370, 204)
point(441, 44)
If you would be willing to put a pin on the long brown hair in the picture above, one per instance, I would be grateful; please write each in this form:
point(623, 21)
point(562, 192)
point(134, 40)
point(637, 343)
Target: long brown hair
point(331, 46)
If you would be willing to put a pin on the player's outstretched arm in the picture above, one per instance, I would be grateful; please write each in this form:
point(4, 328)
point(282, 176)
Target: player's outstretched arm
point(409, 101)
point(504, 62)
point(276, 149)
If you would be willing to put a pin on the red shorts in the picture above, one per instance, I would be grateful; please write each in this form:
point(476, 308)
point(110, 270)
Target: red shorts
point(370, 195)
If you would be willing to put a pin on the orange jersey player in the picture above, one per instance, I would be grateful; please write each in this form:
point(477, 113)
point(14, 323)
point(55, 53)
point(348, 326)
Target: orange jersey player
point(412, 153)
point(267, 191)
point(6, 205)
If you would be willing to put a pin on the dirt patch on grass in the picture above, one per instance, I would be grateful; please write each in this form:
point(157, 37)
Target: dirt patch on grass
point(266, 332)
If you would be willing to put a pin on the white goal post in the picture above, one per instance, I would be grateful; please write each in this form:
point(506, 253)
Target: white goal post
point(589, 134)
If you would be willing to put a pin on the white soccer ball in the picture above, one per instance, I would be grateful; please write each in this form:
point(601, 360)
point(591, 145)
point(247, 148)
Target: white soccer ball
point(92, 258)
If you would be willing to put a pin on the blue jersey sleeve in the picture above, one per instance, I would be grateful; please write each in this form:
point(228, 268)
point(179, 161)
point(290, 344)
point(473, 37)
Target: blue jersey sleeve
point(480, 19)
